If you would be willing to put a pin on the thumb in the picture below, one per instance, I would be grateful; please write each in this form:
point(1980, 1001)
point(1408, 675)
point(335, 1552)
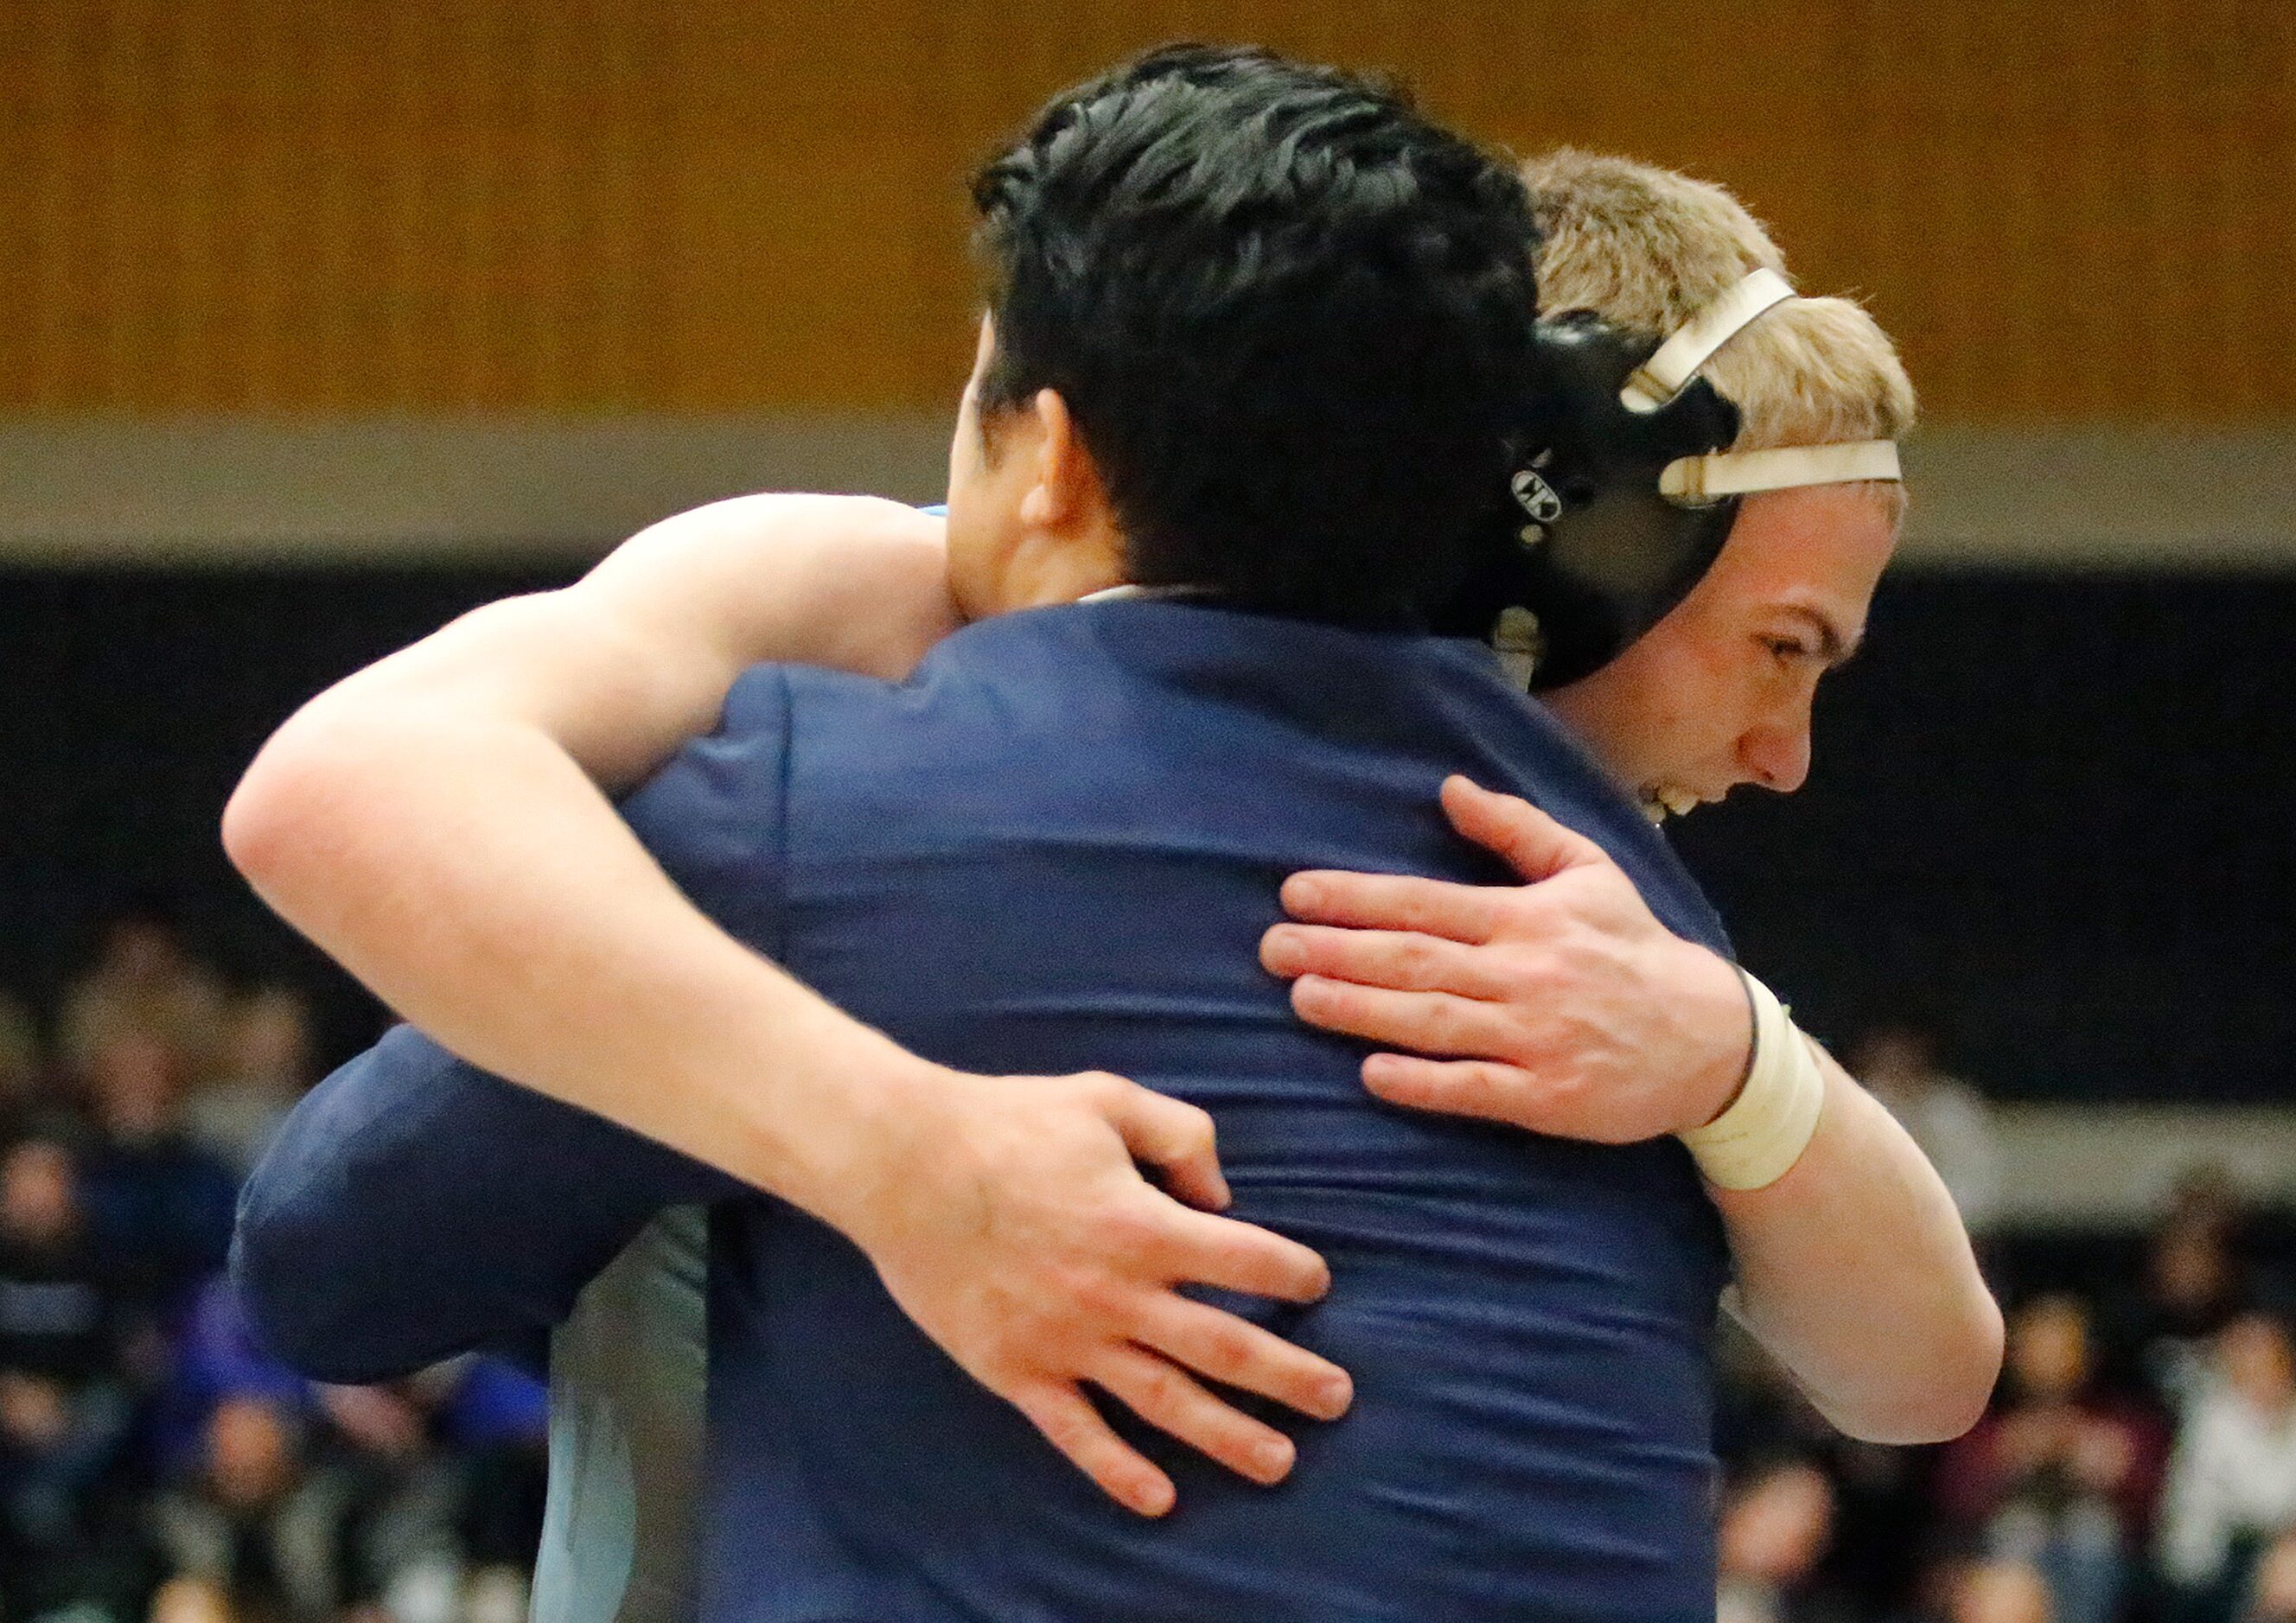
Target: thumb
point(1534, 844)
point(1173, 1135)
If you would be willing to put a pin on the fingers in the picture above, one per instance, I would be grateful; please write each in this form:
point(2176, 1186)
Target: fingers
point(1202, 1250)
point(1393, 901)
point(1171, 1134)
point(1431, 1023)
point(1073, 1426)
point(1534, 844)
point(1455, 1088)
point(1238, 1353)
point(1397, 960)
point(1167, 1398)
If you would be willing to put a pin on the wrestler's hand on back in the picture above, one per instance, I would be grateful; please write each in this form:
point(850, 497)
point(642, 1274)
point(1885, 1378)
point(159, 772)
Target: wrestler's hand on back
point(435, 823)
point(1007, 1217)
point(1564, 1006)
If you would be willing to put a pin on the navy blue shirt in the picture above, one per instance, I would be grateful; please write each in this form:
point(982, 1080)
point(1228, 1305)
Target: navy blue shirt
point(1054, 849)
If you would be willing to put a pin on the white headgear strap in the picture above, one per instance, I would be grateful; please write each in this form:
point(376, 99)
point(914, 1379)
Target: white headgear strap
point(1689, 345)
point(1724, 473)
point(1695, 479)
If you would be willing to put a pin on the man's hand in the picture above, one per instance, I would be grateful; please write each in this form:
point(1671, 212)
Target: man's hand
point(1012, 1223)
point(1563, 1005)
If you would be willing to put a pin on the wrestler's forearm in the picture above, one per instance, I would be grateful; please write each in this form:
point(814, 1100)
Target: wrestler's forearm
point(432, 823)
point(534, 937)
point(1855, 1271)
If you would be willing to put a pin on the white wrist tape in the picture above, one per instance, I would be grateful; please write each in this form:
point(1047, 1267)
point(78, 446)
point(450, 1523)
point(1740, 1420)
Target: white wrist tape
point(1754, 1143)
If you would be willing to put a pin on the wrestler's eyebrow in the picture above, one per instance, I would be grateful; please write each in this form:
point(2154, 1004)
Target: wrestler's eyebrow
point(1836, 649)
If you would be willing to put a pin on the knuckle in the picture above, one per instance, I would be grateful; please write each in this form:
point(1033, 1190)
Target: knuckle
point(1107, 1299)
point(1485, 1086)
point(1228, 1349)
point(1418, 960)
point(1062, 1425)
point(1092, 1293)
point(1158, 1386)
point(1447, 1023)
point(1129, 1233)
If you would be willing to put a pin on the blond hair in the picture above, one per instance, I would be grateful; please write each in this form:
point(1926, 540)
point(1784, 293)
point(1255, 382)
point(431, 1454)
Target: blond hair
point(1644, 248)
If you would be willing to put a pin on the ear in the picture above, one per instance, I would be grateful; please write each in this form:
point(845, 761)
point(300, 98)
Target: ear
point(1066, 504)
point(1066, 492)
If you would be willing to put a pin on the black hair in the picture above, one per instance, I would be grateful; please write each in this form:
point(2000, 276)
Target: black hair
point(1290, 318)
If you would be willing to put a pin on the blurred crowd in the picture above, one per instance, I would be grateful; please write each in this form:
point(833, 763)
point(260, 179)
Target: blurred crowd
point(2138, 1463)
point(155, 1463)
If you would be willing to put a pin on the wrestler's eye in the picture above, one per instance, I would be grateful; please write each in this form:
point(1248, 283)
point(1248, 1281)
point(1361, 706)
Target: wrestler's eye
point(1787, 651)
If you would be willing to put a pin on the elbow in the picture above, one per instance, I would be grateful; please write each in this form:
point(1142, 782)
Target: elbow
point(286, 1310)
point(284, 825)
point(269, 812)
point(304, 1306)
point(1946, 1396)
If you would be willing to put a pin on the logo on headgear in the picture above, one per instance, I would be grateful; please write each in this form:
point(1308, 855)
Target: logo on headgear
point(1537, 498)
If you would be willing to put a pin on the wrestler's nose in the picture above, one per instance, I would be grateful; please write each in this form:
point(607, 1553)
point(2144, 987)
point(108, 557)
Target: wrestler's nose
point(1774, 752)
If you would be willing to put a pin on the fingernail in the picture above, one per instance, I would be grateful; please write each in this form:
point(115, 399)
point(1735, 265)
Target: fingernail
point(1336, 1394)
point(1273, 1456)
point(1154, 1499)
point(1281, 953)
point(1302, 892)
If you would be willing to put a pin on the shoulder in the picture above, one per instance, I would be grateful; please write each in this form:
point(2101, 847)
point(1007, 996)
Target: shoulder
point(777, 516)
point(851, 581)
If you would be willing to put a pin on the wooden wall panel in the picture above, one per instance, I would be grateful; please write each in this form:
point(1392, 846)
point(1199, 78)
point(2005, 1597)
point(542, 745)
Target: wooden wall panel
point(2068, 209)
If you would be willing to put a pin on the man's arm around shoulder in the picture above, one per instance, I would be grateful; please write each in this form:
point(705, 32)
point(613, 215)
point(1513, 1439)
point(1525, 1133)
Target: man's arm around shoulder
point(413, 1207)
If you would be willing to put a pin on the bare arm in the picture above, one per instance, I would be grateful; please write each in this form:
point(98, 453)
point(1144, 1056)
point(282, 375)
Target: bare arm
point(432, 823)
point(1854, 1273)
point(1575, 1012)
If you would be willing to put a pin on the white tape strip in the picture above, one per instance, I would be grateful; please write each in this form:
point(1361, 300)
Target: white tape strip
point(1693, 344)
point(1720, 473)
point(1757, 1141)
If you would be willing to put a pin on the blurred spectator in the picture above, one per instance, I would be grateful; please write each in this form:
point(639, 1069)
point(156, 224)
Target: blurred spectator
point(2206, 1195)
point(157, 1202)
point(2272, 1594)
point(1774, 1530)
point(2000, 1591)
point(2059, 1477)
point(20, 1076)
point(144, 980)
point(265, 1069)
point(251, 1538)
point(1949, 1118)
point(1883, 1509)
point(64, 1390)
point(2232, 1484)
point(431, 1489)
point(2191, 1287)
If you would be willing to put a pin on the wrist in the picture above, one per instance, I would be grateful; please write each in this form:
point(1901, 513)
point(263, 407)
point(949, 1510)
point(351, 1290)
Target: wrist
point(867, 1145)
point(832, 1114)
point(1758, 1137)
point(1722, 1007)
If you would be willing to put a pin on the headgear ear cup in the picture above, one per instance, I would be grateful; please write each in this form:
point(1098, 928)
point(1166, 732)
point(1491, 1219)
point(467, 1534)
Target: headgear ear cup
point(1589, 546)
point(1626, 491)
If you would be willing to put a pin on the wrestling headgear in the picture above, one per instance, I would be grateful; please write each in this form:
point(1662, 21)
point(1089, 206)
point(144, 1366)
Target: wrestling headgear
point(1628, 490)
